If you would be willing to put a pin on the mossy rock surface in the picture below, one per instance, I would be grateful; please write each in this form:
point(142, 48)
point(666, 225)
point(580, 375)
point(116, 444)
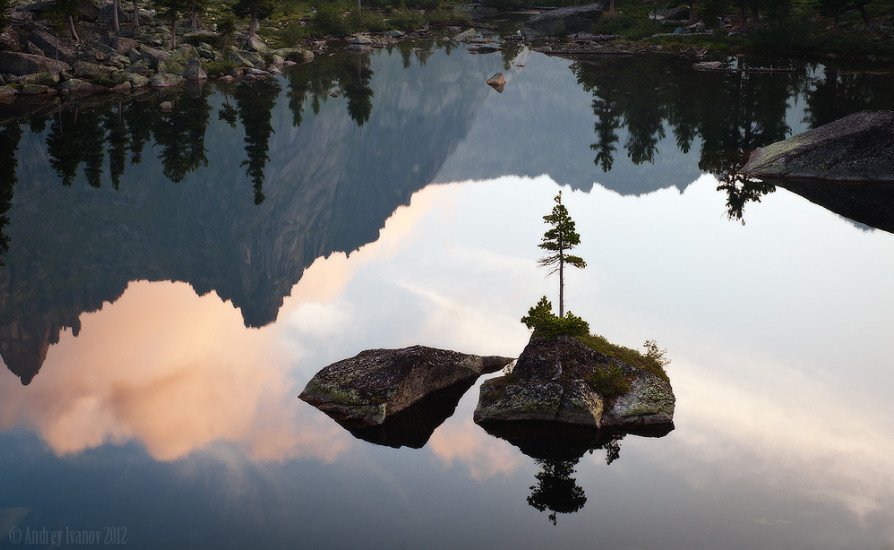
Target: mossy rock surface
point(376, 383)
point(553, 382)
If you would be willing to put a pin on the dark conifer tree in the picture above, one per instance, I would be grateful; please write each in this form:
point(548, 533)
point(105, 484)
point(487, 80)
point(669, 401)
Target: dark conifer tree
point(557, 241)
point(255, 10)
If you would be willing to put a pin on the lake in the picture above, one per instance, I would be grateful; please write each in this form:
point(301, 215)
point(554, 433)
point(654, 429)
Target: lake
point(173, 280)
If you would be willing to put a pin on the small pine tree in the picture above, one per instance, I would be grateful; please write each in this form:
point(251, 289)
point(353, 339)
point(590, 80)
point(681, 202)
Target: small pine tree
point(558, 239)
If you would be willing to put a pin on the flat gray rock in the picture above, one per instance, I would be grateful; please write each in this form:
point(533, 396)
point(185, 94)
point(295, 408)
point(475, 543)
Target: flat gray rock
point(551, 384)
point(856, 148)
point(374, 384)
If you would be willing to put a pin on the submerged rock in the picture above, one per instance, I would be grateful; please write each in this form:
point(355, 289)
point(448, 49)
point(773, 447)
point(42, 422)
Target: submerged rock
point(369, 387)
point(554, 382)
point(857, 148)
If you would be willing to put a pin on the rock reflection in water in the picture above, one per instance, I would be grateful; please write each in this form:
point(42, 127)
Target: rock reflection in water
point(414, 426)
point(557, 449)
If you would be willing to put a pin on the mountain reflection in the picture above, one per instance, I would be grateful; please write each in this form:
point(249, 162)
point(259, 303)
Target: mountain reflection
point(238, 188)
point(188, 215)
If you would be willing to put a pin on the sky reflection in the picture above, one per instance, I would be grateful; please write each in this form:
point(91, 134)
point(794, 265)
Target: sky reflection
point(777, 331)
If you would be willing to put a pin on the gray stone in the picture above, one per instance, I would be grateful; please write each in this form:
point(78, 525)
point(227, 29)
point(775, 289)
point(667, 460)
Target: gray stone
point(123, 45)
point(154, 56)
point(566, 20)
point(164, 80)
point(9, 39)
point(48, 42)
point(31, 48)
point(467, 35)
point(856, 148)
point(551, 384)
point(7, 90)
point(300, 55)
point(17, 63)
point(255, 45)
point(166, 106)
point(137, 80)
point(78, 85)
point(140, 67)
point(194, 70)
point(708, 66)
point(83, 69)
point(375, 384)
point(239, 58)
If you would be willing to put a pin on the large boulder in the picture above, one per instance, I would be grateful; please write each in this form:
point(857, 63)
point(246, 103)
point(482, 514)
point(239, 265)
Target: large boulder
point(18, 64)
point(856, 148)
point(556, 381)
point(369, 387)
point(154, 56)
point(49, 43)
point(566, 20)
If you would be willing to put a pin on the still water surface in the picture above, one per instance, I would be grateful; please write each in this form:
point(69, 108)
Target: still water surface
point(166, 313)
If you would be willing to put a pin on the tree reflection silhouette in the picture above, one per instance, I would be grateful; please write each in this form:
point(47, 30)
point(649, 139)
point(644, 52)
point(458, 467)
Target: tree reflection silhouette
point(556, 489)
point(10, 135)
point(254, 101)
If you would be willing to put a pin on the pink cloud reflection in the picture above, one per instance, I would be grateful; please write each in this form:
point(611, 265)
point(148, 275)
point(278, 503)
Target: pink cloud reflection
point(175, 372)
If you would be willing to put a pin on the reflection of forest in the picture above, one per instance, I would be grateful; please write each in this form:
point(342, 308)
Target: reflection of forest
point(244, 218)
point(727, 114)
point(112, 189)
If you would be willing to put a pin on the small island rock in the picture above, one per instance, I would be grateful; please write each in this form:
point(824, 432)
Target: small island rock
point(552, 383)
point(377, 383)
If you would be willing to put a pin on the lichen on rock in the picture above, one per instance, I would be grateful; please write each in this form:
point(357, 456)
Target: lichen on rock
point(374, 384)
point(552, 382)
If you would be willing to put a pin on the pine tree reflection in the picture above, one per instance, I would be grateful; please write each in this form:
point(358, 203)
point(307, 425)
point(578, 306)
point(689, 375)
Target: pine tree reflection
point(556, 489)
point(254, 101)
point(10, 135)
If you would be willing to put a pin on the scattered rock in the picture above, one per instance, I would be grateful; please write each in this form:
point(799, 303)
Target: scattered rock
point(708, 66)
point(17, 63)
point(83, 69)
point(7, 90)
point(497, 82)
point(299, 55)
point(166, 106)
point(78, 85)
point(856, 148)
point(154, 56)
point(137, 81)
point(467, 35)
point(483, 48)
point(369, 387)
point(194, 70)
point(165, 80)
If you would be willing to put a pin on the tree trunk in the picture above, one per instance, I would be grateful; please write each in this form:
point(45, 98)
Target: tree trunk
point(193, 16)
point(71, 27)
point(866, 18)
point(116, 22)
point(136, 15)
point(253, 24)
point(561, 281)
point(611, 10)
point(174, 32)
point(755, 15)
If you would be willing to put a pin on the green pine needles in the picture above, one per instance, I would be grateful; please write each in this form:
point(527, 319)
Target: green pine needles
point(558, 240)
